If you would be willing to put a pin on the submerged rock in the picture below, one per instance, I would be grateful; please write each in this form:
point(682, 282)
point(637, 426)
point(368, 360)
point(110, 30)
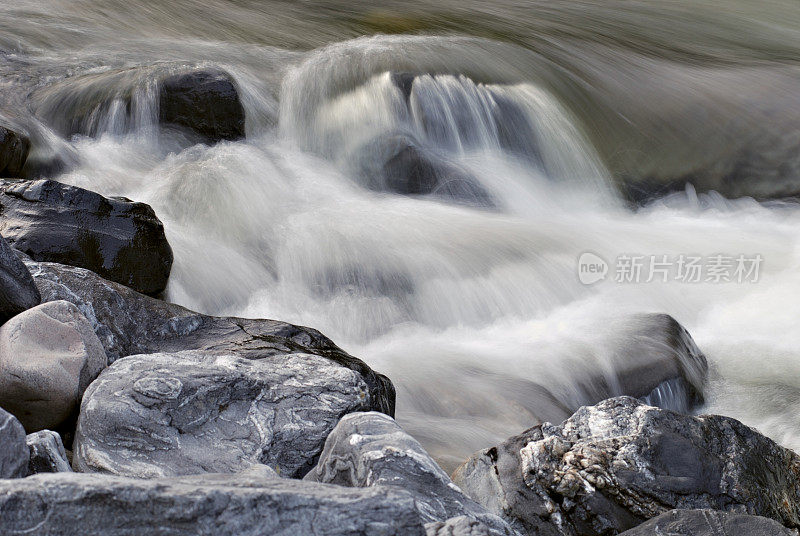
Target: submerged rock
point(65, 504)
point(14, 148)
point(14, 454)
point(18, 292)
point(130, 323)
point(205, 102)
point(47, 453)
point(611, 467)
point(193, 412)
point(48, 357)
point(370, 449)
point(114, 237)
point(709, 523)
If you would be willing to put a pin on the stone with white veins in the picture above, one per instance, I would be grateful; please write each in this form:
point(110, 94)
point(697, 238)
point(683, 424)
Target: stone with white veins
point(197, 412)
point(252, 503)
point(370, 449)
point(47, 453)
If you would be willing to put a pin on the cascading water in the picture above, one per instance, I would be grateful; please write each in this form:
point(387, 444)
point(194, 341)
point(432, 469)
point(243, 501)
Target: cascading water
point(460, 283)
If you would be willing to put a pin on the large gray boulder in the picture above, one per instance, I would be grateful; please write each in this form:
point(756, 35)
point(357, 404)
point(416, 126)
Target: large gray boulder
point(47, 453)
point(370, 449)
point(195, 412)
point(18, 292)
point(13, 450)
point(709, 523)
point(115, 237)
point(14, 148)
point(65, 504)
point(130, 323)
point(612, 466)
point(48, 357)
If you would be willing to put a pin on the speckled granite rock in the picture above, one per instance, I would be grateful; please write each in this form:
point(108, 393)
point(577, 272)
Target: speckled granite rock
point(195, 412)
point(612, 466)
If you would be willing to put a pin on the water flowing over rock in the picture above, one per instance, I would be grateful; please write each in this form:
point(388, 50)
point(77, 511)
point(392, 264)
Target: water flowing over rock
point(205, 102)
point(14, 149)
point(192, 412)
point(47, 453)
point(114, 237)
point(709, 523)
point(18, 292)
point(48, 357)
point(129, 323)
point(370, 449)
point(65, 504)
point(14, 454)
point(612, 466)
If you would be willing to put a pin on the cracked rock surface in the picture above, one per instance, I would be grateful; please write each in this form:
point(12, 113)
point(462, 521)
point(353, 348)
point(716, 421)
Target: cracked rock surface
point(612, 466)
point(194, 412)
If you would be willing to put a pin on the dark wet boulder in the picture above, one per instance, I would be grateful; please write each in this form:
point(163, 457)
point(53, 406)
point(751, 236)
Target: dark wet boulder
point(117, 238)
point(129, 323)
point(14, 454)
point(709, 523)
point(18, 292)
point(14, 148)
point(65, 504)
point(399, 165)
point(613, 466)
point(47, 453)
point(370, 449)
point(48, 357)
point(205, 102)
point(193, 412)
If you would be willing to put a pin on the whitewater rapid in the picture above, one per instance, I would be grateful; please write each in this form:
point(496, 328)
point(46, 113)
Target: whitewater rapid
point(456, 300)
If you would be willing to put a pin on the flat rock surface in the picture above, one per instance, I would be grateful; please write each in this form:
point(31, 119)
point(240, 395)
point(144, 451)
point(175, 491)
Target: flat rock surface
point(193, 412)
point(66, 504)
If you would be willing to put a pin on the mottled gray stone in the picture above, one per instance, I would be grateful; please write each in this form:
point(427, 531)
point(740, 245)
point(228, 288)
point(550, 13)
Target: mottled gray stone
point(612, 466)
point(709, 523)
point(18, 292)
point(13, 450)
point(195, 412)
point(130, 323)
point(458, 526)
point(48, 357)
point(66, 504)
point(370, 449)
point(14, 148)
point(47, 453)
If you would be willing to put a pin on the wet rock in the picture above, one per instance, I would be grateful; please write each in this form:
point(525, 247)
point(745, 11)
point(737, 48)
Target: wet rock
point(64, 504)
point(399, 165)
point(14, 453)
point(129, 323)
point(14, 148)
point(612, 466)
point(48, 357)
point(114, 237)
point(370, 449)
point(709, 523)
point(205, 102)
point(47, 453)
point(194, 412)
point(18, 292)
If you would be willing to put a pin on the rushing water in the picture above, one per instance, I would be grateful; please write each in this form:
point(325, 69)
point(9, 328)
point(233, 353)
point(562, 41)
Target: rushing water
point(543, 108)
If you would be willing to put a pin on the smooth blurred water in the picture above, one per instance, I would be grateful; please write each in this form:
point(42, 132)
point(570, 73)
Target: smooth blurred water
point(547, 106)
